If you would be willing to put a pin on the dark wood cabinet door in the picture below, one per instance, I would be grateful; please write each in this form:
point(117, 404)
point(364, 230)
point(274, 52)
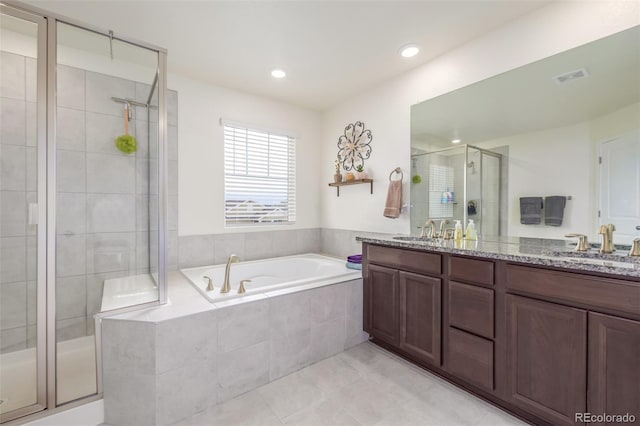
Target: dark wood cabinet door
point(420, 319)
point(614, 366)
point(546, 359)
point(382, 294)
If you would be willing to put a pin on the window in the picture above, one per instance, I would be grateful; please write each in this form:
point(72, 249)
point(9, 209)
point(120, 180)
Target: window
point(259, 177)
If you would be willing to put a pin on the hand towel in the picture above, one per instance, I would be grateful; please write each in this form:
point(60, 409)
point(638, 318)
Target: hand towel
point(356, 266)
point(530, 210)
point(356, 258)
point(394, 200)
point(554, 210)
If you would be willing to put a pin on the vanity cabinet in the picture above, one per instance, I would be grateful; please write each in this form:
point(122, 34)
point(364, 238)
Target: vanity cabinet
point(614, 365)
point(469, 352)
point(382, 295)
point(546, 358)
point(543, 343)
point(402, 307)
point(420, 316)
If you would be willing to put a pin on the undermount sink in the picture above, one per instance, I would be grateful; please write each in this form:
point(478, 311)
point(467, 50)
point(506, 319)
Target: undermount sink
point(597, 246)
point(606, 260)
point(606, 263)
point(412, 238)
point(616, 256)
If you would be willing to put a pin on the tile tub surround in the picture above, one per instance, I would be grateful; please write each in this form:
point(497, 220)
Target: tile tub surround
point(214, 249)
point(166, 364)
point(342, 242)
point(103, 196)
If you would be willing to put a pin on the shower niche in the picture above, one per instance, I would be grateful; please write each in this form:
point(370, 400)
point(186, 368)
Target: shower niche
point(458, 183)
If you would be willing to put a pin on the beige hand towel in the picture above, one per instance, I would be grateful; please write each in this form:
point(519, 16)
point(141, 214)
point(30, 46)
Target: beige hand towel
point(394, 200)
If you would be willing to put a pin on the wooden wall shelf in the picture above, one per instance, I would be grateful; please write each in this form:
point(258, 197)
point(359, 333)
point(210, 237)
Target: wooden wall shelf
point(337, 185)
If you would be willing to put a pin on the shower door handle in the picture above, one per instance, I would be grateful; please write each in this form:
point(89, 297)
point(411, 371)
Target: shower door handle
point(33, 214)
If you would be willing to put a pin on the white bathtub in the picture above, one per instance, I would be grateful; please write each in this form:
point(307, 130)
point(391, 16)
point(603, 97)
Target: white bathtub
point(271, 274)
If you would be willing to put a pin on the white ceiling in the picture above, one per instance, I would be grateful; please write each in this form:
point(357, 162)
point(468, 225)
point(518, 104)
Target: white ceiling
point(330, 49)
point(527, 99)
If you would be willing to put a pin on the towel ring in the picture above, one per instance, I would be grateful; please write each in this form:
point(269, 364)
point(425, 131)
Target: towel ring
point(396, 170)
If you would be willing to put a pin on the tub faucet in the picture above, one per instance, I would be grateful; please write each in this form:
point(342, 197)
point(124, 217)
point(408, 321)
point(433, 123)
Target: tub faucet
point(607, 238)
point(226, 288)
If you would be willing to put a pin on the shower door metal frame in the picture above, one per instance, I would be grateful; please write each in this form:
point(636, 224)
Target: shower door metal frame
point(46, 236)
point(41, 236)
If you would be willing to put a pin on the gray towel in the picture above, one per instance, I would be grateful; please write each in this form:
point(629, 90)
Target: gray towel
point(530, 210)
point(554, 210)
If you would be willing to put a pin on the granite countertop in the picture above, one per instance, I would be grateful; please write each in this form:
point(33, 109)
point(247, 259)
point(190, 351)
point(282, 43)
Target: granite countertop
point(535, 251)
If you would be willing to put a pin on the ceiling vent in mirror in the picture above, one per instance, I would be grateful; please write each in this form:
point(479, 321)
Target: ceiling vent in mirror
point(571, 75)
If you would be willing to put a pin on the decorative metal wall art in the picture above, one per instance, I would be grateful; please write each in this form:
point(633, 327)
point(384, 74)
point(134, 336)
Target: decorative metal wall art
point(354, 146)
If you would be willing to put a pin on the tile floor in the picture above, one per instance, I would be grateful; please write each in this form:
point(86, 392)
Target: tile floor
point(364, 385)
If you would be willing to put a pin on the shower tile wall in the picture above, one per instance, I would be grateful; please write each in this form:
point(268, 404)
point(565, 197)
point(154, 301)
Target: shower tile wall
point(17, 188)
point(103, 196)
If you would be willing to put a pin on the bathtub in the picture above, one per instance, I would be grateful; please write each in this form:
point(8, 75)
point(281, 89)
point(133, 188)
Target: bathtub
point(271, 274)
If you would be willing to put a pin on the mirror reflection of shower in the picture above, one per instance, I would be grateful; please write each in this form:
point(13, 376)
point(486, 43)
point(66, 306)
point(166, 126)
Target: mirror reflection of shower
point(472, 165)
point(457, 183)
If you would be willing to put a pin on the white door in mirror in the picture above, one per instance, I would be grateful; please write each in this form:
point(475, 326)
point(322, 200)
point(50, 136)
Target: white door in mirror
point(620, 185)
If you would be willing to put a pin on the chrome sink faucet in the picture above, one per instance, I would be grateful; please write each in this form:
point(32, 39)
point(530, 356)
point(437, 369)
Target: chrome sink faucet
point(606, 231)
point(226, 287)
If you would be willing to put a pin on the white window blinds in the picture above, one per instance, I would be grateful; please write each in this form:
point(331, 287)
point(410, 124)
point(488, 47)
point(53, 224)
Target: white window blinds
point(259, 177)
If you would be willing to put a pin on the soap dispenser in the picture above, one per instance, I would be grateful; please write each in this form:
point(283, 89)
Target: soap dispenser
point(457, 233)
point(471, 234)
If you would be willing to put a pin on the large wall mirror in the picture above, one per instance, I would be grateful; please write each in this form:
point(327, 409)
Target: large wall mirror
point(564, 130)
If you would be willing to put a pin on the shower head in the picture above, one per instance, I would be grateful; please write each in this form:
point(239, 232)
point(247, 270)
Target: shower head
point(471, 165)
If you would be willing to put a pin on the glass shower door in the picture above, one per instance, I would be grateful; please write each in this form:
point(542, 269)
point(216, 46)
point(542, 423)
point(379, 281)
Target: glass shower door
point(106, 192)
point(22, 213)
point(490, 195)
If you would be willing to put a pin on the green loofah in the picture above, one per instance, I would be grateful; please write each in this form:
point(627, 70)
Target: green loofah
point(127, 144)
point(416, 179)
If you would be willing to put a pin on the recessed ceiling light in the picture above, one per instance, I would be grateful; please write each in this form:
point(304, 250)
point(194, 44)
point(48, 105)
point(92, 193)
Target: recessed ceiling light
point(456, 141)
point(409, 51)
point(278, 73)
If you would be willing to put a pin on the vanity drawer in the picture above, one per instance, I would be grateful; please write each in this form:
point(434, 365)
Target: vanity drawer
point(471, 270)
point(470, 358)
point(606, 293)
point(471, 308)
point(407, 260)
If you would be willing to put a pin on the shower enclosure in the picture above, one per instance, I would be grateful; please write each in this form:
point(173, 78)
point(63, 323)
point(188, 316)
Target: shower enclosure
point(83, 224)
point(458, 183)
